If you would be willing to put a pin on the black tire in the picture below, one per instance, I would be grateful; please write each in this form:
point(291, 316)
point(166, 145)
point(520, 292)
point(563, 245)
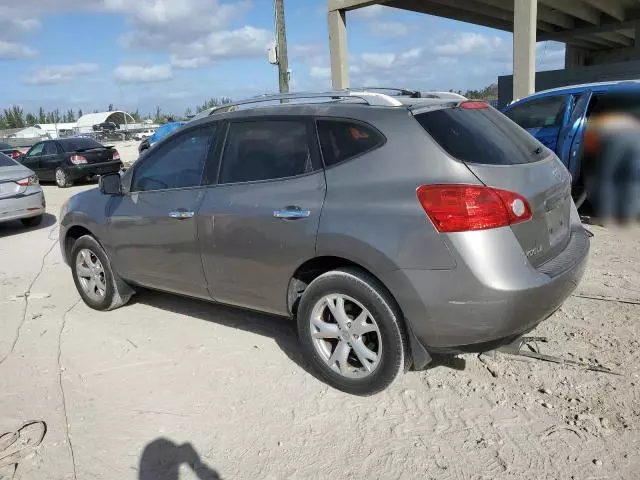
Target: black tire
point(32, 221)
point(117, 292)
point(62, 178)
point(368, 291)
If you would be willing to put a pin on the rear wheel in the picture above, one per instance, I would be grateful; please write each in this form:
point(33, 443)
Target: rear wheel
point(62, 178)
point(352, 332)
point(32, 221)
point(97, 284)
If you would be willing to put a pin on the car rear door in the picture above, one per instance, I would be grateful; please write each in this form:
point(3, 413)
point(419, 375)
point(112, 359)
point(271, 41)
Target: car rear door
point(259, 223)
point(503, 156)
point(572, 135)
point(51, 158)
point(152, 227)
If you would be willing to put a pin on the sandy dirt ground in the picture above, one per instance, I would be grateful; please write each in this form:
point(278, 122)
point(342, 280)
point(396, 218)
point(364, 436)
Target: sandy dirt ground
point(169, 388)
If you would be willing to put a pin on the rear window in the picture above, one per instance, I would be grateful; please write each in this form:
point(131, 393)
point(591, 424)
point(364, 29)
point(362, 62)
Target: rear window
point(5, 146)
point(75, 144)
point(6, 161)
point(341, 140)
point(483, 136)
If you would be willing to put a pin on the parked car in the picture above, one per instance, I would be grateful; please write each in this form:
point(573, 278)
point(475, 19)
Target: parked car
point(68, 160)
point(10, 151)
point(159, 134)
point(21, 197)
point(557, 118)
point(390, 230)
point(144, 134)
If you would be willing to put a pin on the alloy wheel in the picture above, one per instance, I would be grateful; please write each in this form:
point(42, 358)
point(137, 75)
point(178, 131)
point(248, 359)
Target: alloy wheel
point(91, 274)
point(346, 336)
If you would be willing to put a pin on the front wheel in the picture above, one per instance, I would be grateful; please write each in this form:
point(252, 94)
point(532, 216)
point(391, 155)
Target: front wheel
point(62, 178)
point(93, 276)
point(352, 332)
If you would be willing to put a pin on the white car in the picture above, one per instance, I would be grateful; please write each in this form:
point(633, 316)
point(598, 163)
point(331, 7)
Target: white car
point(144, 134)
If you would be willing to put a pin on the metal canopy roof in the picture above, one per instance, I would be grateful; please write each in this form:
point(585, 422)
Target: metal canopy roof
point(591, 24)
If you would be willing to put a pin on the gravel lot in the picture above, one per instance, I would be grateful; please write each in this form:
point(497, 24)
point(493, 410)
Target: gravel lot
point(181, 382)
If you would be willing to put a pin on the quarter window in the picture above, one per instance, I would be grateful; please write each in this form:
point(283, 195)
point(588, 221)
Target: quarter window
point(341, 140)
point(265, 150)
point(177, 164)
point(540, 113)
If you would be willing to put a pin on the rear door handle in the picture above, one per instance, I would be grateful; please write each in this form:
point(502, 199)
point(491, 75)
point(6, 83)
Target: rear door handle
point(292, 213)
point(181, 214)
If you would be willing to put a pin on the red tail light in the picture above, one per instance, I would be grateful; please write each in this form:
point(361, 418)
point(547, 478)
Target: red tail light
point(116, 155)
point(472, 105)
point(78, 159)
point(27, 182)
point(462, 208)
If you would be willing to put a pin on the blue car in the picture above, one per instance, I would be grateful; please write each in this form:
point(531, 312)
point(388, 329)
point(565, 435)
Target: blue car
point(160, 133)
point(557, 118)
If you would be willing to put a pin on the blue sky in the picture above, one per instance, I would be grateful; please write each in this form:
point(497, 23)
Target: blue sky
point(139, 54)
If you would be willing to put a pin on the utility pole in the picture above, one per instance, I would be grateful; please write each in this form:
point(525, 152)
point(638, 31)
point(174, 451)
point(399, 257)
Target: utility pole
point(281, 35)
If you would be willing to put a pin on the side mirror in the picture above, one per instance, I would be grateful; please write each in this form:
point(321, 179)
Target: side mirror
point(111, 184)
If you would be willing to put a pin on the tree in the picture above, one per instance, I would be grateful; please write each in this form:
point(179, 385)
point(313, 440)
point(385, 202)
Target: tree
point(213, 102)
point(42, 118)
point(111, 107)
point(31, 119)
point(14, 117)
point(136, 116)
point(71, 117)
point(188, 112)
point(80, 114)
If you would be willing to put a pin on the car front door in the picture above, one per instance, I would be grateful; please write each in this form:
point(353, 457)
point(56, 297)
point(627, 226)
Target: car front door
point(572, 135)
point(541, 117)
point(31, 159)
point(152, 227)
point(50, 160)
point(260, 222)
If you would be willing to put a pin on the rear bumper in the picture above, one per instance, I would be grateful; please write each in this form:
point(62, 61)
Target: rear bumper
point(461, 310)
point(26, 205)
point(77, 172)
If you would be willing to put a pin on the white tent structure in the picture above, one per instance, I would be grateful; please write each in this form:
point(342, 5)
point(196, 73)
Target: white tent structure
point(56, 130)
point(29, 132)
point(119, 117)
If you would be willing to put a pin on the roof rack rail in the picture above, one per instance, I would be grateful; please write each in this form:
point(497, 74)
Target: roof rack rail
point(370, 98)
point(403, 92)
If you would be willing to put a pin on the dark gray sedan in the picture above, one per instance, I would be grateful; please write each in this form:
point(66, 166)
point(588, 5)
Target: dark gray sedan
point(21, 197)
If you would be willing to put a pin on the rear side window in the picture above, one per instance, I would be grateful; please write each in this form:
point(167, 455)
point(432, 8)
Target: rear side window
point(341, 140)
point(483, 136)
point(265, 150)
point(539, 113)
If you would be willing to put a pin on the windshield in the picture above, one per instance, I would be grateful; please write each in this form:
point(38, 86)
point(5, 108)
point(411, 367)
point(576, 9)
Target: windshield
point(6, 161)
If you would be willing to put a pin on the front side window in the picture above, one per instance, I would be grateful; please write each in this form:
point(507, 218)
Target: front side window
point(177, 164)
point(539, 113)
point(343, 139)
point(36, 150)
point(265, 150)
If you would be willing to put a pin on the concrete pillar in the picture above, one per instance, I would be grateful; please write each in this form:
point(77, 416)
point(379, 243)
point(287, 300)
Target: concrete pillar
point(636, 45)
point(338, 49)
point(525, 16)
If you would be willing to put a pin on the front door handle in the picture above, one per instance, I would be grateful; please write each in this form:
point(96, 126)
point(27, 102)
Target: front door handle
point(181, 214)
point(292, 213)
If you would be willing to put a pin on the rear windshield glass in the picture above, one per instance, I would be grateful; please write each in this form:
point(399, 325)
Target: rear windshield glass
point(6, 161)
point(75, 144)
point(482, 136)
point(5, 146)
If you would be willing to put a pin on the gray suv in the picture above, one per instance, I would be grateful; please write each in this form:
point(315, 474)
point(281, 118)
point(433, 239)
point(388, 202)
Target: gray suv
point(390, 229)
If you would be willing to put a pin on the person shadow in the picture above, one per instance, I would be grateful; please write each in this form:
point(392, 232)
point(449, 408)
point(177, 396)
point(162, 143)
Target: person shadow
point(162, 459)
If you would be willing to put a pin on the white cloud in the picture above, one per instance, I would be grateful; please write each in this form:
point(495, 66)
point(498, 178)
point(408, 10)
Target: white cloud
point(367, 13)
point(189, 62)
point(60, 73)
point(320, 72)
point(143, 73)
point(13, 51)
point(469, 44)
point(391, 29)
